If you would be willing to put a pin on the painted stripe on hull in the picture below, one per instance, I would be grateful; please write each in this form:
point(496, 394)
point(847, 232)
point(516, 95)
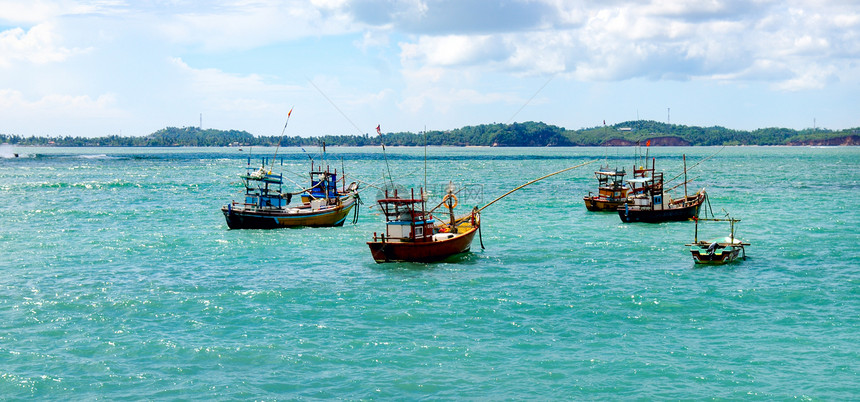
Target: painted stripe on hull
point(596, 205)
point(723, 257)
point(247, 220)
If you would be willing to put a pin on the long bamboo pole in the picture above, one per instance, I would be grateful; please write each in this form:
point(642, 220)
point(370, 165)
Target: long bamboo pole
point(534, 181)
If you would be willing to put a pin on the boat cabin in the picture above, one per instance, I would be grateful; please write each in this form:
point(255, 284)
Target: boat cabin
point(610, 183)
point(406, 219)
point(263, 189)
point(323, 183)
point(646, 188)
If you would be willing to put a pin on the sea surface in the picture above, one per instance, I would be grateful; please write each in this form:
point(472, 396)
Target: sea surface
point(121, 280)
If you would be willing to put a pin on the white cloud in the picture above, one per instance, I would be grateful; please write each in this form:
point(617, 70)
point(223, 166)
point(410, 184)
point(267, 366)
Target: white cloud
point(15, 106)
point(453, 50)
point(38, 11)
point(242, 26)
point(663, 39)
point(39, 45)
point(234, 93)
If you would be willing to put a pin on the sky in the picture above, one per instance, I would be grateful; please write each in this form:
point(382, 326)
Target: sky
point(113, 67)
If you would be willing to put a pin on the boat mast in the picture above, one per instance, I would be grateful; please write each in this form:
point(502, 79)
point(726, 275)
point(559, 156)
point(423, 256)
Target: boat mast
point(685, 178)
point(696, 230)
point(450, 202)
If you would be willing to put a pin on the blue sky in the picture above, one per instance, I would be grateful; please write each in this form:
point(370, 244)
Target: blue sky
point(103, 67)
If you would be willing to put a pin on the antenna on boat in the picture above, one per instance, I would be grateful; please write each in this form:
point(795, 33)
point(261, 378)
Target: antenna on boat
point(685, 177)
point(605, 149)
point(425, 160)
point(281, 138)
point(384, 155)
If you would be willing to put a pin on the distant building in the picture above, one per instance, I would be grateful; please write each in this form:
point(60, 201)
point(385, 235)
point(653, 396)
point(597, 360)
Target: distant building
point(625, 129)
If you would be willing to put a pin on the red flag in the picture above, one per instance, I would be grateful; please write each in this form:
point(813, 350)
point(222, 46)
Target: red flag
point(604, 122)
point(648, 143)
point(378, 131)
point(289, 113)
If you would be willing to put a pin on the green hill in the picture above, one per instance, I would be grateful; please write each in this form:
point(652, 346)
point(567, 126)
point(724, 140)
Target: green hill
point(526, 134)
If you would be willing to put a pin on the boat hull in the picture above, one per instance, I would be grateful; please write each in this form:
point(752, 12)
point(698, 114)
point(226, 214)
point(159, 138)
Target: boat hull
point(286, 217)
point(421, 251)
point(674, 212)
point(628, 215)
point(725, 256)
point(596, 204)
point(718, 251)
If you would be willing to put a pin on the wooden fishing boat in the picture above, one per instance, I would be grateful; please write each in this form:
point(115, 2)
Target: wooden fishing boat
point(266, 206)
point(721, 250)
point(412, 234)
point(323, 185)
point(648, 203)
point(611, 191)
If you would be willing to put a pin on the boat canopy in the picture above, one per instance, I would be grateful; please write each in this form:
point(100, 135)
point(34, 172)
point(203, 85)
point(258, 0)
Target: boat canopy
point(640, 180)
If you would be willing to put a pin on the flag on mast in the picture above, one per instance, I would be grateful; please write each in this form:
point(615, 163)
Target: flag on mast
point(289, 113)
point(378, 131)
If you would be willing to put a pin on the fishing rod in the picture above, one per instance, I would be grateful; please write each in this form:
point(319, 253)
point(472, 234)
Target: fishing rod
point(354, 125)
point(444, 200)
point(679, 185)
point(381, 188)
point(534, 181)
point(697, 164)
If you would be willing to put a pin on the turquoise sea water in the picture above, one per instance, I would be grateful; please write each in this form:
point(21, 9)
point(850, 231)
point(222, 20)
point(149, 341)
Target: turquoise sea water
point(120, 280)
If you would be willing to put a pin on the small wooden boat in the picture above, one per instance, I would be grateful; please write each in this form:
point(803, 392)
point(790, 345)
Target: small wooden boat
point(721, 250)
point(266, 205)
point(648, 203)
point(611, 191)
point(412, 234)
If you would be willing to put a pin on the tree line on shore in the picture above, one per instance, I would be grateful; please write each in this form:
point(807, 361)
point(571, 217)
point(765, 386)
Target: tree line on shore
point(526, 134)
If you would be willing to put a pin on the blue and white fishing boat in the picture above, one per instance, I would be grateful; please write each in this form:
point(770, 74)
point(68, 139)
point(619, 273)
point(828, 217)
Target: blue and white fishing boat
point(266, 205)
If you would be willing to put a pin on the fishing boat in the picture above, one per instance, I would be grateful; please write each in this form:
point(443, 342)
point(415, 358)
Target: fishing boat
point(266, 205)
point(413, 234)
point(323, 185)
point(611, 191)
point(721, 250)
point(647, 201)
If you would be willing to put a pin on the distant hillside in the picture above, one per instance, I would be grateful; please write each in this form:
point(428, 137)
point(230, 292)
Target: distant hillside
point(527, 134)
point(632, 132)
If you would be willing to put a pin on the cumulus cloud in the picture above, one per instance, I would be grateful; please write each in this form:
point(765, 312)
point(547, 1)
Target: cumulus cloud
point(660, 39)
point(38, 45)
